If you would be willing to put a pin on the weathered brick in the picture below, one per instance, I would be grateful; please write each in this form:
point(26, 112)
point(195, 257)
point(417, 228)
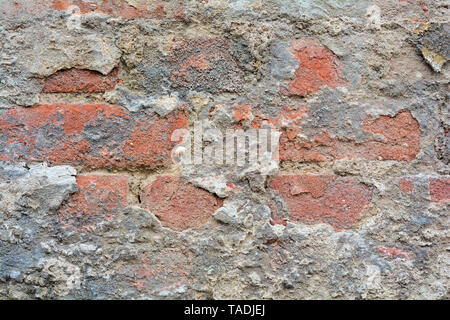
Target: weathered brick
point(179, 205)
point(78, 80)
point(287, 117)
point(400, 136)
point(125, 8)
point(393, 252)
point(20, 7)
point(387, 137)
point(406, 185)
point(242, 112)
point(97, 135)
point(99, 199)
point(338, 201)
point(166, 271)
point(318, 67)
point(204, 64)
point(440, 189)
point(390, 138)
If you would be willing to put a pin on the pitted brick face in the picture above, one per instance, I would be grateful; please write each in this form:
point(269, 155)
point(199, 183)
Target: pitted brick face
point(79, 80)
point(393, 253)
point(204, 64)
point(179, 205)
point(400, 136)
point(99, 199)
point(339, 202)
point(90, 135)
point(123, 8)
point(440, 189)
point(389, 138)
point(287, 117)
point(318, 68)
point(406, 185)
point(162, 271)
point(394, 137)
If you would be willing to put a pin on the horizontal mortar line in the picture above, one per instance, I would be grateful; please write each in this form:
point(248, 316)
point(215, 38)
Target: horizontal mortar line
point(128, 170)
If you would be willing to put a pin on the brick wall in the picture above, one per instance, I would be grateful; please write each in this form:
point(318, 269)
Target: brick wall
point(93, 205)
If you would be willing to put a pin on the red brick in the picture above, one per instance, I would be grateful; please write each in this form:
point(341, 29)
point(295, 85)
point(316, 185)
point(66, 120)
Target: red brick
point(121, 8)
point(97, 135)
point(440, 189)
point(392, 252)
point(115, 8)
point(388, 137)
point(406, 185)
point(204, 64)
point(287, 117)
point(318, 68)
point(242, 112)
point(419, 3)
point(179, 205)
point(338, 201)
point(400, 133)
point(79, 80)
point(19, 8)
point(391, 138)
point(161, 271)
point(99, 199)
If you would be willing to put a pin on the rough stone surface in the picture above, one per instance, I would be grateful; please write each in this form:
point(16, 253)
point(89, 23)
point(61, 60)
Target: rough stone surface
point(92, 205)
point(433, 43)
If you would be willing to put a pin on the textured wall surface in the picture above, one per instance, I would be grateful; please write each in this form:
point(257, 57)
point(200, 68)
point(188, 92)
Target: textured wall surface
point(92, 206)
